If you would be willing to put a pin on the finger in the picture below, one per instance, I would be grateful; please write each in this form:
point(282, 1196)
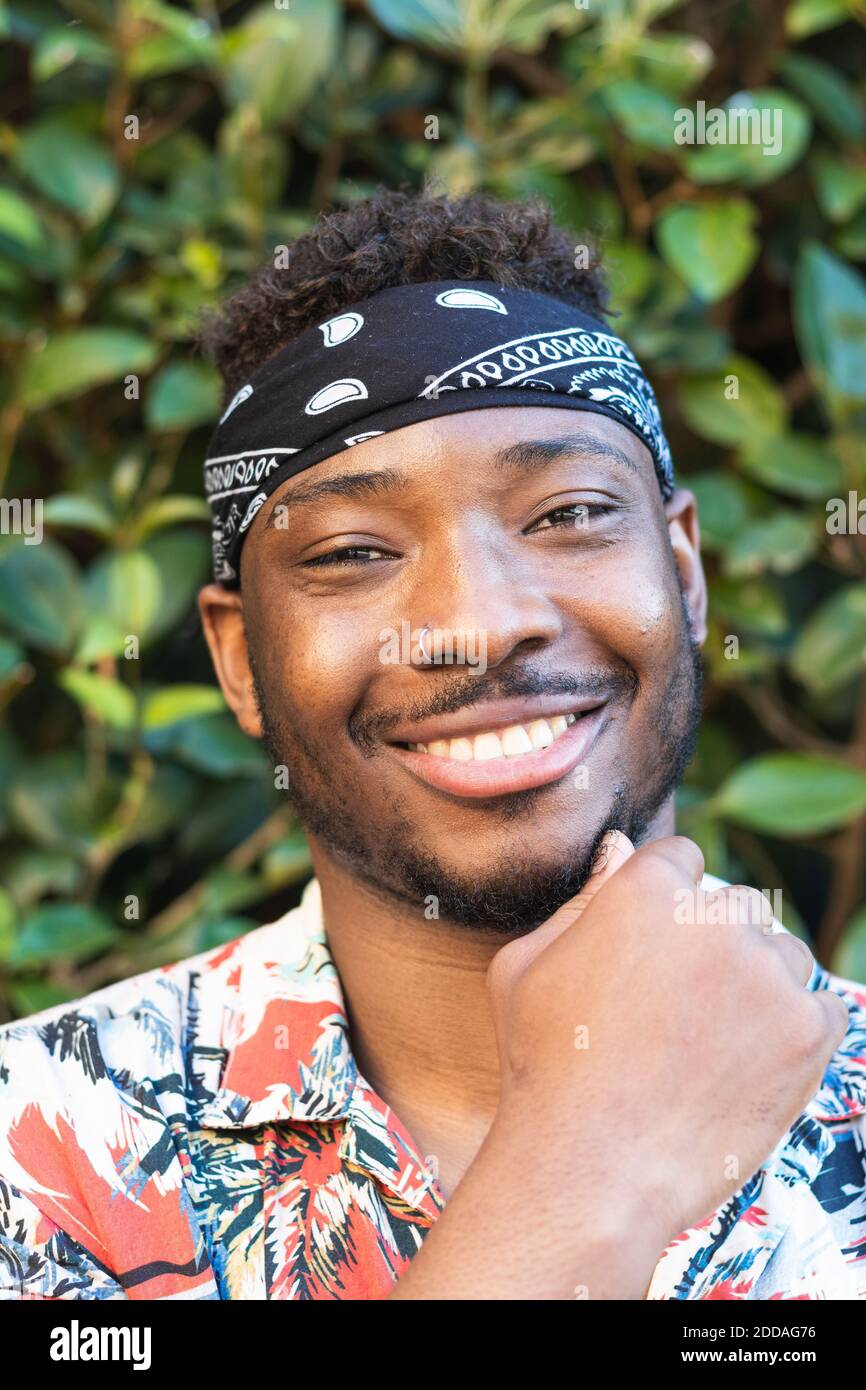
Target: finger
point(677, 850)
point(836, 1011)
point(613, 852)
point(737, 905)
point(796, 955)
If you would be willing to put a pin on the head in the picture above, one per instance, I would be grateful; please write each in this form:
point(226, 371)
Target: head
point(563, 599)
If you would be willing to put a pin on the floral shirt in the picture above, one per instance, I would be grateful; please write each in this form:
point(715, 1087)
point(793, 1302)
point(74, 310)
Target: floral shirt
point(202, 1131)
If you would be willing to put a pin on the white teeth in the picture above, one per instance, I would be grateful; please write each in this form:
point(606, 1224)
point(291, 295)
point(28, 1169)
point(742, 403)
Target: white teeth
point(541, 733)
point(486, 746)
point(516, 740)
point(512, 742)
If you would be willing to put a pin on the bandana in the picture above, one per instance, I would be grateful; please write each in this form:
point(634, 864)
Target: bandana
point(409, 353)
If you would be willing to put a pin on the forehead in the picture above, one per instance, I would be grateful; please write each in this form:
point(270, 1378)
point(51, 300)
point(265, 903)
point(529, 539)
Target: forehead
point(503, 439)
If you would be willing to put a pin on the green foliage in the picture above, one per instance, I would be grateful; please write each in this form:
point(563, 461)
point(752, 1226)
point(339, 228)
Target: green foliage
point(156, 154)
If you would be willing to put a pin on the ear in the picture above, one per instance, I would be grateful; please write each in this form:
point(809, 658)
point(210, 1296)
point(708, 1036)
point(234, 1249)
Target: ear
point(685, 536)
point(222, 617)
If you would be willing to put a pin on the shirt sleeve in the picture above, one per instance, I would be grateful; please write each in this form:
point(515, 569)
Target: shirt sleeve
point(40, 1261)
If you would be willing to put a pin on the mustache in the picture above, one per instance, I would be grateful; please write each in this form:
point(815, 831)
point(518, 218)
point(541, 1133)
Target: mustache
point(366, 730)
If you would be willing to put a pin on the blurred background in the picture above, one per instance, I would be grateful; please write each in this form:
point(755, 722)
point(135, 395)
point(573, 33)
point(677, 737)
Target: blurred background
point(154, 155)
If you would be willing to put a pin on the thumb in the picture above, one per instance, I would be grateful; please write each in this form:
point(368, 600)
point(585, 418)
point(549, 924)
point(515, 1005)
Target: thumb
point(614, 850)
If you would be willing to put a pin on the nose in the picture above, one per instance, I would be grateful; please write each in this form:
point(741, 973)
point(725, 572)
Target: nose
point(475, 597)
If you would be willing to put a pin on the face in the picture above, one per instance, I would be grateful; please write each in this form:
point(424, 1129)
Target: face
point(564, 603)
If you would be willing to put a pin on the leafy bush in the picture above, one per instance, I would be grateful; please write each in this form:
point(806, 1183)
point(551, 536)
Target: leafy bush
point(155, 155)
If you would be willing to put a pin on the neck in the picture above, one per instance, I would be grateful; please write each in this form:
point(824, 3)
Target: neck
point(420, 1026)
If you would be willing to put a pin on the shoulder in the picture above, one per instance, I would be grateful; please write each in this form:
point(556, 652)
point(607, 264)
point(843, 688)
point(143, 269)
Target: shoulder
point(842, 1095)
point(73, 1062)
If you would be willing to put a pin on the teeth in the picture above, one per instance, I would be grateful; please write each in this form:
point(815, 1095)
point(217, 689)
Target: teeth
point(541, 733)
point(516, 740)
point(486, 746)
point(508, 743)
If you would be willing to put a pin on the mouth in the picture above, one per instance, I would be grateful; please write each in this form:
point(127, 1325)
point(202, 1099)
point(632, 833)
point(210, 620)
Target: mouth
point(505, 757)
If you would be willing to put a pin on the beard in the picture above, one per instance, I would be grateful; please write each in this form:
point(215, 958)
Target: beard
point(515, 894)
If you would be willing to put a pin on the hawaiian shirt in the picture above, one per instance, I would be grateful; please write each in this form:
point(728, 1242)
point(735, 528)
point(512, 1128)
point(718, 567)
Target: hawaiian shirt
point(202, 1131)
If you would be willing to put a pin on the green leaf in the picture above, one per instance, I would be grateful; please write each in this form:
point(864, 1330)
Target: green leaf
point(58, 49)
point(57, 803)
point(111, 701)
point(7, 924)
point(79, 511)
point(734, 405)
point(711, 246)
point(275, 58)
point(798, 465)
point(12, 658)
point(177, 702)
point(772, 133)
point(144, 592)
point(849, 958)
point(479, 28)
point(805, 17)
point(831, 98)
point(840, 186)
point(212, 744)
point(70, 167)
point(40, 595)
point(749, 605)
point(830, 323)
point(74, 361)
point(183, 558)
point(646, 115)
point(724, 506)
point(29, 997)
point(780, 543)
point(168, 511)
point(126, 589)
point(18, 221)
point(59, 930)
point(674, 62)
point(182, 396)
point(831, 648)
point(790, 794)
point(287, 862)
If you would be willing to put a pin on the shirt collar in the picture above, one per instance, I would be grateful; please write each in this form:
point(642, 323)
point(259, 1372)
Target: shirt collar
point(271, 1045)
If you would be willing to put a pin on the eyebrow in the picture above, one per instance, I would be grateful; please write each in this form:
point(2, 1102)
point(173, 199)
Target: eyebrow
point(525, 455)
point(530, 453)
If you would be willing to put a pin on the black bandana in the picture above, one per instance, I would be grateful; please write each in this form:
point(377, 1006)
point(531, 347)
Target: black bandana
point(411, 353)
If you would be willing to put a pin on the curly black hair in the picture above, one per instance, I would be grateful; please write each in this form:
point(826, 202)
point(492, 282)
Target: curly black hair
point(391, 238)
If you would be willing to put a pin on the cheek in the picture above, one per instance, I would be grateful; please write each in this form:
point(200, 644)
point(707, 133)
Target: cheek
point(630, 605)
point(318, 664)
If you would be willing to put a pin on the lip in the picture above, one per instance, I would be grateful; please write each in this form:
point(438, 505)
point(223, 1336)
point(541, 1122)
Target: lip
point(499, 776)
point(490, 716)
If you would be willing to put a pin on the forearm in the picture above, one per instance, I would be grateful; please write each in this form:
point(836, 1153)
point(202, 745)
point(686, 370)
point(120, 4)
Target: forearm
point(520, 1226)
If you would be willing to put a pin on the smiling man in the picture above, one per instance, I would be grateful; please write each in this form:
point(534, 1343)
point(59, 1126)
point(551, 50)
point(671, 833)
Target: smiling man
point(497, 1051)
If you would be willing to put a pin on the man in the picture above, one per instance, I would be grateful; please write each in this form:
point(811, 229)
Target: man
point(498, 1051)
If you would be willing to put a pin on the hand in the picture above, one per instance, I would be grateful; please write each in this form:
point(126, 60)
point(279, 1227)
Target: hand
point(651, 1054)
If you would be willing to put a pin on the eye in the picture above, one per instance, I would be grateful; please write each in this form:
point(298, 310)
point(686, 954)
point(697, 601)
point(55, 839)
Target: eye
point(571, 516)
point(348, 555)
